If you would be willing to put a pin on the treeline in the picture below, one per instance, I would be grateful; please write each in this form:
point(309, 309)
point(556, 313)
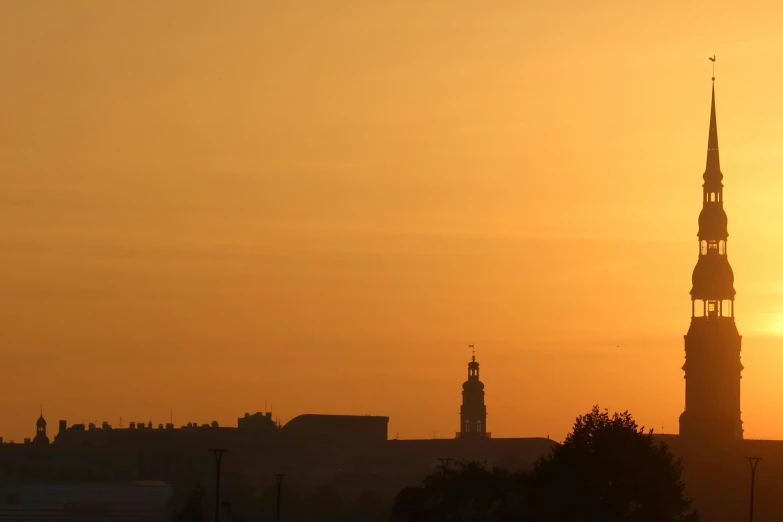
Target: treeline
point(609, 469)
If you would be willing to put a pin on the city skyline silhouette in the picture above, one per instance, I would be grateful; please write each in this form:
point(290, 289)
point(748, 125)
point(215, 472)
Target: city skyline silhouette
point(324, 222)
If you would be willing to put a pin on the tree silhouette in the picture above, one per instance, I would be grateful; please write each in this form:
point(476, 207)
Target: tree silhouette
point(469, 493)
point(609, 469)
point(193, 508)
point(368, 507)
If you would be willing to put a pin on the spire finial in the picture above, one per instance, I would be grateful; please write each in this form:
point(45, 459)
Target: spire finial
point(712, 59)
point(712, 174)
point(473, 349)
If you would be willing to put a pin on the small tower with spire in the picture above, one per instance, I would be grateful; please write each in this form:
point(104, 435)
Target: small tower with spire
point(713, 343)
point(473, 413)
point(40, 430)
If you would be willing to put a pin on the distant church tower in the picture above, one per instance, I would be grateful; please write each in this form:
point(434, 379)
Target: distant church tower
point(473, 413)
point(40, 431)
point(712, 344)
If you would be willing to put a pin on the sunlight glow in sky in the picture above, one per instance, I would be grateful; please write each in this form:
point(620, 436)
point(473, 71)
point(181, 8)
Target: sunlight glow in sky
point(206, 207)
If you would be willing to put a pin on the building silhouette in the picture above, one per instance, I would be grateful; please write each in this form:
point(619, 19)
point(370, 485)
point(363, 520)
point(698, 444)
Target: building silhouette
point(712, 345)
point(473, 413)
point(40, 431)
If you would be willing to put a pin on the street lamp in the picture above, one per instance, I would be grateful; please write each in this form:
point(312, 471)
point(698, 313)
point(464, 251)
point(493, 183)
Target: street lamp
point(444, 464)
point(218, 458)
point(279, 477)
point(753, 461)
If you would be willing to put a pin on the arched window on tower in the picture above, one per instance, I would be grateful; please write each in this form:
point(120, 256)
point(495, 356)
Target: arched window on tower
point(722, 248)
point(466, 429)
point(703, 247)
point(478, 426)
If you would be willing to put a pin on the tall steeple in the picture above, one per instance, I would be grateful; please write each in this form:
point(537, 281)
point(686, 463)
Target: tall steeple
point(473, 413)
point(712, 174)
point(712, 344)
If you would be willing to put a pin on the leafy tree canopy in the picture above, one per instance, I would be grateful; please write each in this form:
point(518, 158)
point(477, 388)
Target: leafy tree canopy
point(608, 470)
point(470, 492)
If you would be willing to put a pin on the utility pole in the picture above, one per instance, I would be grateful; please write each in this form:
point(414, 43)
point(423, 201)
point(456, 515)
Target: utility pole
point(218, 458)
point(753, 461)
point(279, 477)
point(444, 465)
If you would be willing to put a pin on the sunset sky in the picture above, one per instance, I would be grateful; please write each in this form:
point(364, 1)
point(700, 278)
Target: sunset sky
point(208, 206)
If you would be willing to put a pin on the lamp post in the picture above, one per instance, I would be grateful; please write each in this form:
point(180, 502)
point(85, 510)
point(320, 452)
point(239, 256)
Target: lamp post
point(444, 464)
point(218, 458)
point(279, 477)
point(753, 461)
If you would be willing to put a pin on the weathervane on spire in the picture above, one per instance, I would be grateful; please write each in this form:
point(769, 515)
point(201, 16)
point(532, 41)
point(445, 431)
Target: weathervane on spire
point(473, 349)
point(712, 59)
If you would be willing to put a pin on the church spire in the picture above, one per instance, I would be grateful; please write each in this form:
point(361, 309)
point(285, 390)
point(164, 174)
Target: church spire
point(712, 345)
point(712, 175)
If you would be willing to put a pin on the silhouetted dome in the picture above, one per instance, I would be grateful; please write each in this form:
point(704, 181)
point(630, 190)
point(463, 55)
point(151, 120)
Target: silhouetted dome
point(473, 385)
point(41, 423)
point(713, 223)
point(713, 278)
point(713, 177)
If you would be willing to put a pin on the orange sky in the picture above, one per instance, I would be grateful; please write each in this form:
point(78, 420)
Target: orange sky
point(206, 206)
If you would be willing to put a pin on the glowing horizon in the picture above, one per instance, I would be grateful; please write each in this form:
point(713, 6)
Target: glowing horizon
point(206, 208)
